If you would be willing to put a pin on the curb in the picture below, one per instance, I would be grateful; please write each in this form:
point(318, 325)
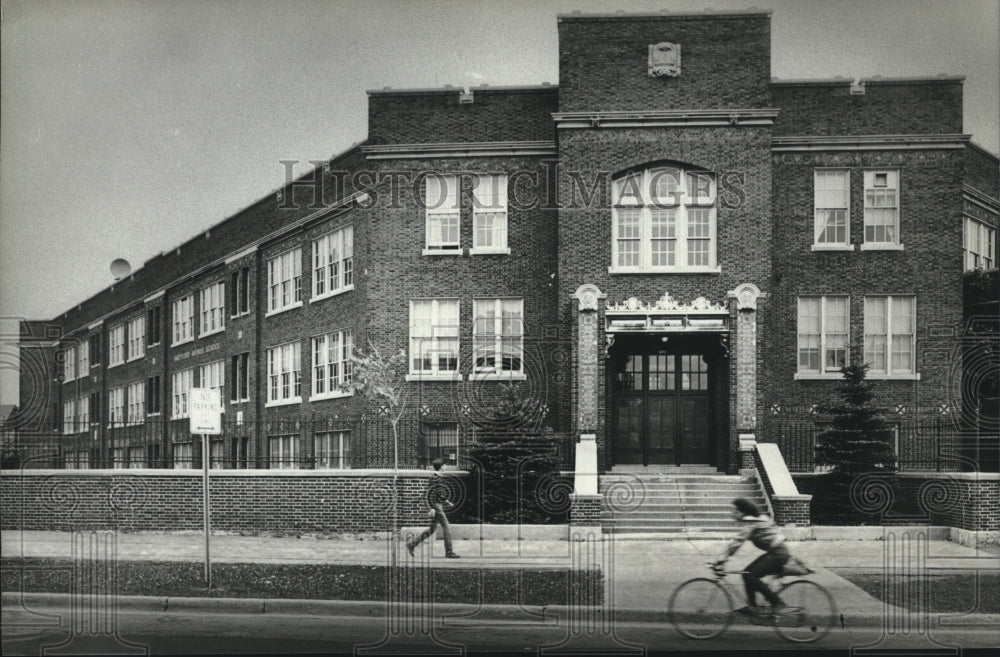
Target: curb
point(453, 613)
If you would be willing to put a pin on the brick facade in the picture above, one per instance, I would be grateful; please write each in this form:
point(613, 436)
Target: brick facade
point(561, 148)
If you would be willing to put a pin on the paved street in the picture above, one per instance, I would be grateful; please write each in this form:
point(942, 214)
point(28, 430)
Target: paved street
point(198, 632)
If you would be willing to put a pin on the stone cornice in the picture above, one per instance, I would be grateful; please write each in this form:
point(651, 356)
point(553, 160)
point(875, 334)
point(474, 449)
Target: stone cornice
point(867, 142)
point(985, 201)
point(664, 118)
point(459, 149)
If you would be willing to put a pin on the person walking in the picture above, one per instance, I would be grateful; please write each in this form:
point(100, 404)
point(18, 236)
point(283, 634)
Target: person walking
point(756, 528)
point(437, 497)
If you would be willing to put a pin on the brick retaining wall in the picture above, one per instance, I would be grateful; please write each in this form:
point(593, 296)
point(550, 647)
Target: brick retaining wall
point(350, 501)
point(967, 501)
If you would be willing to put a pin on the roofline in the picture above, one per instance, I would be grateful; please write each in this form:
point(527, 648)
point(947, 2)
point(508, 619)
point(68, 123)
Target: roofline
point(705, 13)
point(985, 151)
point(270, 195)
point(938, 79)
point(449, 89)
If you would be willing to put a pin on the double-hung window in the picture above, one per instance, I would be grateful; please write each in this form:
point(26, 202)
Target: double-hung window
point(284, 382)
point(83, 414)
point(441, 440)
point(83, 360)
point(136, 338)
point(823, 335)
point(69, 364)
point(284, 452)
point(183, 320)
point(180, 389)
point(333, 263)
point(332, 450)
point(69, 416)
point(213, 375)
point(213, 308)
point(881, 210)
point(489, 214)
point(136, 403)
point(498, 336)
point(116, 345)
point(664, 220)
point(331, 364)
point(980, 242)
point(434, 338)
point(116, 406)
point(284, 281)
point(443, 214)
point(832, 209)
point(890, 323)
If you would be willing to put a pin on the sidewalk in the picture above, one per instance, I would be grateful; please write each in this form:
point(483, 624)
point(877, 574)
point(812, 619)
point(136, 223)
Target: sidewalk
point(639, 574)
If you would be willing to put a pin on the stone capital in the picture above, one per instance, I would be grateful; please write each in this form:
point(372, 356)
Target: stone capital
point(746, 295)
point(588, 295)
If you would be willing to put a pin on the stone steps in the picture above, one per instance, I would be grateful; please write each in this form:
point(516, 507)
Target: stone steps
point(674, 505)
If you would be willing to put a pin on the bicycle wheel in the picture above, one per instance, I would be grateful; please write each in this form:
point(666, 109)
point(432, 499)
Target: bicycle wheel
point(701, 608)
point(811, 614)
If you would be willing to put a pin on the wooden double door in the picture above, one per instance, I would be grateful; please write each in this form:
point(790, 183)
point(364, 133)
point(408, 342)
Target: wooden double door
point(664, 405)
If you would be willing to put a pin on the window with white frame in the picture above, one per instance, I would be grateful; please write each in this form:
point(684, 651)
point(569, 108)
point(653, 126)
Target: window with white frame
point(69, 416)
point(83, 414)
point(664, 219)
point(443, 214)
point(284, 281)
point(153, 322)
point(823, 334)
point(331, 363)
point(183, 320)
point(890, 323)
point(284, 383)
point(136, 457)
point(434, 336)
point(116, 406)
point(83, 459)
point(979, 242)
point(217, 454)
point(69, 364)
point(832, 210)
point(180, 391)
point(332, 450)
point(83, 359)
point(441, 440)
point(489, 214)
point(136, 338)
point(333, 262)
point(498, 336)
point(116, 345)
point(183, 455)
point(284, 452)
point(882, 208)
point(213, 308)
point(136, 403)
point(118, 457)
point(213, 376)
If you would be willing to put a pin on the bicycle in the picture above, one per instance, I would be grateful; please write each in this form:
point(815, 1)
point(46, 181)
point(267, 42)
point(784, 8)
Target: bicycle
point(809, 616)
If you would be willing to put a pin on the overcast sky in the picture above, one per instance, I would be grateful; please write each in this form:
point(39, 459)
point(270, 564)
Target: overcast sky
point(128, 127)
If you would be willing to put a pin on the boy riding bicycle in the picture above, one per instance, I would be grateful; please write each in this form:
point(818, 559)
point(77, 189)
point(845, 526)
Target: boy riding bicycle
point(760, 531)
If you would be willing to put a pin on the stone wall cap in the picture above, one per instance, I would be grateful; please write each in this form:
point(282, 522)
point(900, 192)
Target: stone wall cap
point(198, 472)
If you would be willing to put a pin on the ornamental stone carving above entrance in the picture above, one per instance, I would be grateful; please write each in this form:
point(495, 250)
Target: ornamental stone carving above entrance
point(667, 302)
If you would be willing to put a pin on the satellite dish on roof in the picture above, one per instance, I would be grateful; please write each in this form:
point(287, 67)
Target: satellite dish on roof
point(120, 268)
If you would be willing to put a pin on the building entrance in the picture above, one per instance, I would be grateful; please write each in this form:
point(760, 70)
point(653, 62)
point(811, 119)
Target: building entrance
point(663, 400)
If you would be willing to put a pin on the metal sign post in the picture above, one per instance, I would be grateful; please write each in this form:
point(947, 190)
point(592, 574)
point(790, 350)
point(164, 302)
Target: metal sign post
point(206, 420)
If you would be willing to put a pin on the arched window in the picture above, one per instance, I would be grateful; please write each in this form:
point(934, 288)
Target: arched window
point(663, 219)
